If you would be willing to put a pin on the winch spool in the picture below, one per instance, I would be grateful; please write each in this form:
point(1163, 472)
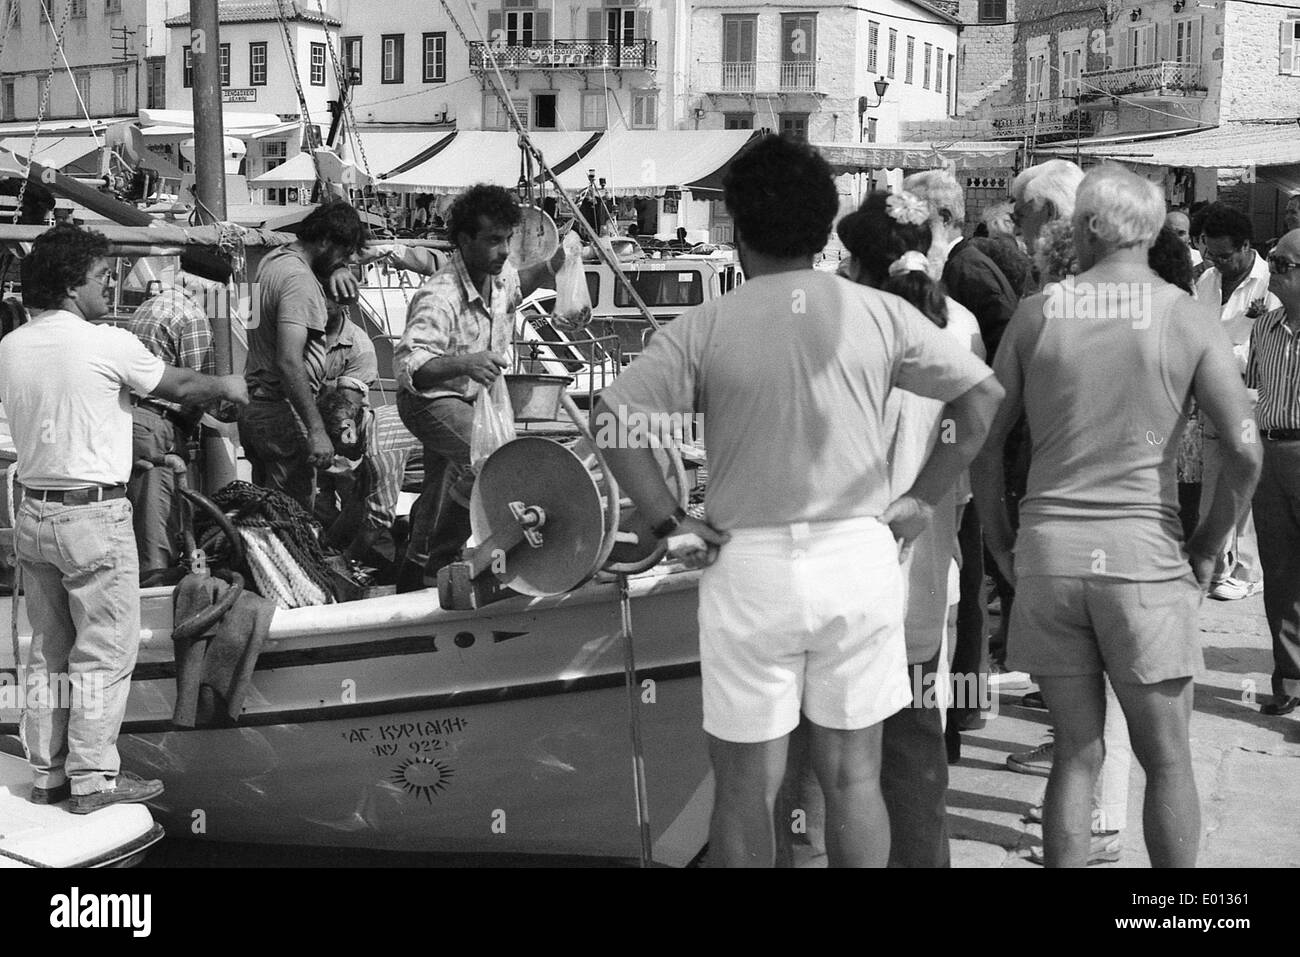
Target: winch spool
point(547, 517)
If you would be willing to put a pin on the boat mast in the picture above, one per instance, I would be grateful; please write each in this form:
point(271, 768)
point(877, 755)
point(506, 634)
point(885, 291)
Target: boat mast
point(210, 194)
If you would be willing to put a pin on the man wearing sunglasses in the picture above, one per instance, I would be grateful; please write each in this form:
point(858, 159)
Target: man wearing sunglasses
point(1274, 370)
point(1238, 283)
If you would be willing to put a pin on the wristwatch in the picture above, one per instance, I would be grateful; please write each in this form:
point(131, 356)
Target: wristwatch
point(669, 524)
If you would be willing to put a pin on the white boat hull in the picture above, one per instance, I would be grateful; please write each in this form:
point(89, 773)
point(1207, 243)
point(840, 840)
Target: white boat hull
point(390, 724)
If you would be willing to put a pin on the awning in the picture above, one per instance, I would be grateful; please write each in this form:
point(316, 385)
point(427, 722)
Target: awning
point(963, 154)
point(393, 151)
point(54, 152)
point(482, 156)
point(1231, 146)
point(233, 123)
point(646, 162)
point(301, 170)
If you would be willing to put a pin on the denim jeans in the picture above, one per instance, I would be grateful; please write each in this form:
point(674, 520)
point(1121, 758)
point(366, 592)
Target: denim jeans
point(153, 491)
point(81, 582)
point(276, 445)
point(440, 517)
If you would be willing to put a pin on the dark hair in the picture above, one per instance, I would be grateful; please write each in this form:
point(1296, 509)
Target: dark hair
point(1171, 259)
point(876, 239)
point(60, 260)
point(335, 222)
point(335, 405)
point(780, 192)
point(1009, 257)
point(1220, 219)
point(496, 204)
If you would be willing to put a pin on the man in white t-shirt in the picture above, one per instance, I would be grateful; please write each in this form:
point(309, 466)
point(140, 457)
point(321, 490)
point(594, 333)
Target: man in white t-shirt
point(1237, 283)
point(66, 384)
point(803, 608)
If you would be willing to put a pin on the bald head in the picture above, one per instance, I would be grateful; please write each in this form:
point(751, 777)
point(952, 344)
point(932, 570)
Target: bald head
point(1286, 285)
point(1181, 226)
point(1289, 246)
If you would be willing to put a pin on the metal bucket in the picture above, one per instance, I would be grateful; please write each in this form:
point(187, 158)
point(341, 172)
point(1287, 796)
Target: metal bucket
point(536, 398)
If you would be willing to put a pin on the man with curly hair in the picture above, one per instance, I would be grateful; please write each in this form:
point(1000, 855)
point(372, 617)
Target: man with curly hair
point(802, 610)
point(66, 383)
point(456, 342)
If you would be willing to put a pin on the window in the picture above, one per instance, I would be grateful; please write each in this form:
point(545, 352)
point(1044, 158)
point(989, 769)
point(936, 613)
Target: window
point(738, 52)
point(666, 288)
point(952, 83)
point(225, 64)
point(893, 53)
point(112, 6)
point(873, 46)
point(798, 51)
point(544, 111)
point(257, 64)
point(435, 57)
point(911, 59)
point(317, 73)
point(47, 8)
point(16, 9)
point(871, 129)
point(925, 73)
point(938, 71)
point(1140, 49)
point(738, 121)
point(1071, 61)
point(83, 89)
point(1035, 70)
point(76, 9)
point(519, 23)
point(993, 11)
point(1187, 40)
point(8, 101)
point(121, 92)
point(1289, 47)
point(495, 116)
point(352, 58)
point(593, 111)
point(187, 71)
point(393, 67)
point(156, 83)
point(645, 109)
point(795, 124)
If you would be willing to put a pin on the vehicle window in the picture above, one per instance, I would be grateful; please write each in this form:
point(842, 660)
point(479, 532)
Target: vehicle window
point(668, 288)
point(593, 287)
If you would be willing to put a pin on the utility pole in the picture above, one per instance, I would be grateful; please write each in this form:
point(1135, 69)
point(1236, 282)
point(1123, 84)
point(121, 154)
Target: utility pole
point(210, 191)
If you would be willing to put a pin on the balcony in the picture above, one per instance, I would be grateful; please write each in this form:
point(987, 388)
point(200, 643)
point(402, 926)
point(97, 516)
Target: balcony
point(759, 76)
point(1165, 78)
point(566, 55)
point(1042, 118)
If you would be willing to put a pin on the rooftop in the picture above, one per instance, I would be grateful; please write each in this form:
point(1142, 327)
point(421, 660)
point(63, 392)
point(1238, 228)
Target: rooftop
point(240, 12)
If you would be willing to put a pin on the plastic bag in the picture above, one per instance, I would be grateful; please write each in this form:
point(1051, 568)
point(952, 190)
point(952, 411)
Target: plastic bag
point(494, 422)
point(572, 301)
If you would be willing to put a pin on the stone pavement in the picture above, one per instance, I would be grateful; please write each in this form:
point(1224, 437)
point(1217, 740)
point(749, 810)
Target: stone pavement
point(1247, 764)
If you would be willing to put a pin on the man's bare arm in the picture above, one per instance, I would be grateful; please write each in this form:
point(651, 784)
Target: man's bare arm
point(190, 388)
point(291, 339)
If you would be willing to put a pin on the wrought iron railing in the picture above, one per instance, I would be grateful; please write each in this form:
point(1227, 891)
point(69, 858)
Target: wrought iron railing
point(566, 55)
point(1055, 115)
point(1165, 76)
point(757, 76)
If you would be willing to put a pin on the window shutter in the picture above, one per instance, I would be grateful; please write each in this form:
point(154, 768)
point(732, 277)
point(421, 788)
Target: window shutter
point(1125, 49)
point(1286, 47)
point(1162, 42)
point(595, 26)
point(1195, 43)
point(495, 26)
point(542, 26)
point(643, 24)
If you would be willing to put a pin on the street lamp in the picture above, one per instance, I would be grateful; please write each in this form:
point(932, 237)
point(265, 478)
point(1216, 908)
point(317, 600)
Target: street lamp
point(864, 103)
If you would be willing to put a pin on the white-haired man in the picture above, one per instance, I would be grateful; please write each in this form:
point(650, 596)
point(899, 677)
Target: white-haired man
point(1044, 193)
point(1104, 584)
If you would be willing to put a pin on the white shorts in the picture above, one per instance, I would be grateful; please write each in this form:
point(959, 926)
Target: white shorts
point(808, 614)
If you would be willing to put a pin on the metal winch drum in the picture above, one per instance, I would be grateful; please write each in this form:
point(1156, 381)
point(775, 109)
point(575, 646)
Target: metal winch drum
point(548, 516)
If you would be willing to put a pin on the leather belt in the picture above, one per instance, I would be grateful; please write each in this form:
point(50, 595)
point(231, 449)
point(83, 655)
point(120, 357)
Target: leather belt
point(76, 496)
point(1280, 435)
point(159, 409)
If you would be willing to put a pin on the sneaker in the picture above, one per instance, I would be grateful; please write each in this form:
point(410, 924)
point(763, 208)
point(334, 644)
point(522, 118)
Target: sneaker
point(53, 795)
point(1000, 677)
point(1104, 848)
point(1037, 762)
point(1233, 589)
point(127, 789)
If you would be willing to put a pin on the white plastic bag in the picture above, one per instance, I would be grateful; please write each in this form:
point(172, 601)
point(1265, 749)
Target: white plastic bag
point(494, 422)
point(572, 301)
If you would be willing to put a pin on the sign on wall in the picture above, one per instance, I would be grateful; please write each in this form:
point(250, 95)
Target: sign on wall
point(248, 95)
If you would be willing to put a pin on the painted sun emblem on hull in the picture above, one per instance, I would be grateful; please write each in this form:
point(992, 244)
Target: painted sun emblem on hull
point(423, 777)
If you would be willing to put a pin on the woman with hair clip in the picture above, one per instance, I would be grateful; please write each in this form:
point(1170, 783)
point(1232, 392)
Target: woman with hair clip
point(888, 237)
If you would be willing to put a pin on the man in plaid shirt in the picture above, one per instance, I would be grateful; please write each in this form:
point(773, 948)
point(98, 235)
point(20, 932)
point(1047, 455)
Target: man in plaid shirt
point(174, 326)
point(380, 447)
